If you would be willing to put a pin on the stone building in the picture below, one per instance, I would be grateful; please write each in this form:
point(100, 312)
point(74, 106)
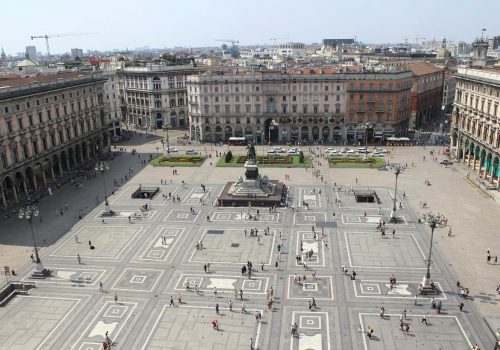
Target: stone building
point(49, 126)
point(154, 95)
point(426, 94)
point(475, 134)
point(329, 105)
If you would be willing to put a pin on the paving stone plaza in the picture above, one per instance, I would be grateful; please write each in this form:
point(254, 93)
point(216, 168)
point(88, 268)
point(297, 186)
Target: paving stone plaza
point(154, 257)
point(195, 251)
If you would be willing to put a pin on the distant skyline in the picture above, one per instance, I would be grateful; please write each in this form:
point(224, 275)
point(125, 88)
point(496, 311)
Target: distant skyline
point(121, 24)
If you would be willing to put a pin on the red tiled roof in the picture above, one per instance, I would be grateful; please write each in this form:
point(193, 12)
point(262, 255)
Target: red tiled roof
point(423, 68)
point(41, 78)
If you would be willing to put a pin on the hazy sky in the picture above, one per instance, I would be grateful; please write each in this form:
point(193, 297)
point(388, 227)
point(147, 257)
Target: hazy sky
point(124, 24)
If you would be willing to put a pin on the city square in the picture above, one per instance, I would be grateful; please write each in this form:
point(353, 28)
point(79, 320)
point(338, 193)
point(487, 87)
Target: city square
point(169, 268)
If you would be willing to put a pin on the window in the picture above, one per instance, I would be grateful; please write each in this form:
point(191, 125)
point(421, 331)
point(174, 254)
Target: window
point(226, 98)
point(30, 119)
point(305, 88)
point(247, 98)
point(294, 98)
point(217, 109)
point(283, 109)
point(238, 108)
point(315, 109)
point(20, 123)
point(226, 109)
point(338, 88)
point(205, 109)
point(325, 108)
point(337, 109)
point(217, 120)
point(216, 89)
point(247, 108)
point(315, 88)
point(237, 99)
point(284, 98)
point(257, 88)
point(294, 108)
point(40, 119)
point(216, 98)
point(326, 97)
point(9, 126)
point(257, 108)
point(304, 108)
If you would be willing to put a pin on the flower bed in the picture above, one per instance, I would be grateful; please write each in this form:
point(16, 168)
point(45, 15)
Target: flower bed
point(184, 160)
point(267, 159)
point(372, 162)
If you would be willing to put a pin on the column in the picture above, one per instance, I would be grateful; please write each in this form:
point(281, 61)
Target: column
point(34, 181)
point(14, 192)
point(67, 161)
point(25, 186)
point(473, 159)
point(4, 201)
point(74, 157)
point(43, 176)
point(60, 167)
point(52, 171)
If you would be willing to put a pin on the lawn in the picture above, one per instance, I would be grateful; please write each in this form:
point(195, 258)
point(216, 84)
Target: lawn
point(267, 162)
point(179, 160)
point(373, 162)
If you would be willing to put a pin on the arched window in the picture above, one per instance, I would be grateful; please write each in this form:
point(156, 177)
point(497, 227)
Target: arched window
point(3, 160)
point(172, 102)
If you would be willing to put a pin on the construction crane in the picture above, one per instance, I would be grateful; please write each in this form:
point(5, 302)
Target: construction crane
point(232, 41)
point(275, 40)
point(47, 36)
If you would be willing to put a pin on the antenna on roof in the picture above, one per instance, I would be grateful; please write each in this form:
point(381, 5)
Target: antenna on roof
point(482, 33)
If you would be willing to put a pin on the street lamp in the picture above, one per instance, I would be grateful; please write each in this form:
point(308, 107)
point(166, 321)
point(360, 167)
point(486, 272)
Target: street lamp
point(166, 152)
point(28, 213)
point(366, 140)
point(433, 220)
point(102, 167)
point(397, 170)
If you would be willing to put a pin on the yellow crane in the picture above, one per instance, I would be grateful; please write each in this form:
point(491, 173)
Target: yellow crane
point(47, 36)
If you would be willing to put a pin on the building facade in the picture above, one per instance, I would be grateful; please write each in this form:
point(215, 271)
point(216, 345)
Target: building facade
point(49, 125)
point(448, 92)
point(114, 113)
point(426, 94)
point(475, 135)
point(319, 104)
point(154, 96)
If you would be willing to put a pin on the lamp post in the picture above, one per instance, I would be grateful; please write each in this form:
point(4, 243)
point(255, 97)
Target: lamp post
point(366, 140)
point(397, 170)
point(28, 213)
point(433, 220)
point(102, 167)
point(166, 152)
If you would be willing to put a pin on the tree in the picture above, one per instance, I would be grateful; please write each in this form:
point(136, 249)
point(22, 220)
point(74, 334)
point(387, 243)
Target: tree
point(301, 157)
point(229, 156)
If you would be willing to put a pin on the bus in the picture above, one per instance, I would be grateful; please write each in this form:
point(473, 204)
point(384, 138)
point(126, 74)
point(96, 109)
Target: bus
point(238, 141)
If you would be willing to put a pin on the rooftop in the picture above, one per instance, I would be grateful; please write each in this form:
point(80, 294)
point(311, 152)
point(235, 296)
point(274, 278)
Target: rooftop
point(14, 80)
point(423, 68)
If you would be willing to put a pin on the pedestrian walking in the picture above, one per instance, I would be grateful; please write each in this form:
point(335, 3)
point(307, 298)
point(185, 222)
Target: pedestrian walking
point(461, 306)
point(230, 305)
point(172, 301)
point(76, 239)
point(101, 287)
point(424, 319)
point(217, 309)
point(79, 259)
point(116, 298)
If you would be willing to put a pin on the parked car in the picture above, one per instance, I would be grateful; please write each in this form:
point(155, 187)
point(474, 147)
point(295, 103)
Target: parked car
point(345, 150)
point(352, 153)
point(272, 151)
point(446, 162)
point(191, 151)
point(293, 151)
point(363, 150)
point(377, 154)
point(172, 149)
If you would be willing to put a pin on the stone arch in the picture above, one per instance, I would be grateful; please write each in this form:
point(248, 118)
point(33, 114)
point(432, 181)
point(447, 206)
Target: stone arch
point(20, 184)
point(495, 169)
point(71, 158)
point(228, 132)
point(8, 188)
point(193, 133)
point(315, 133)
point(325, 133)
point(218, 133)
point(488, 165)
point(208, 129)
point(64, 161)
point(85, 151)
point(238, 131)
point(182, 119)
point(304, 133)
point(248, 132)
point(56, 165)
point(30, 179)
point(78, 153)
